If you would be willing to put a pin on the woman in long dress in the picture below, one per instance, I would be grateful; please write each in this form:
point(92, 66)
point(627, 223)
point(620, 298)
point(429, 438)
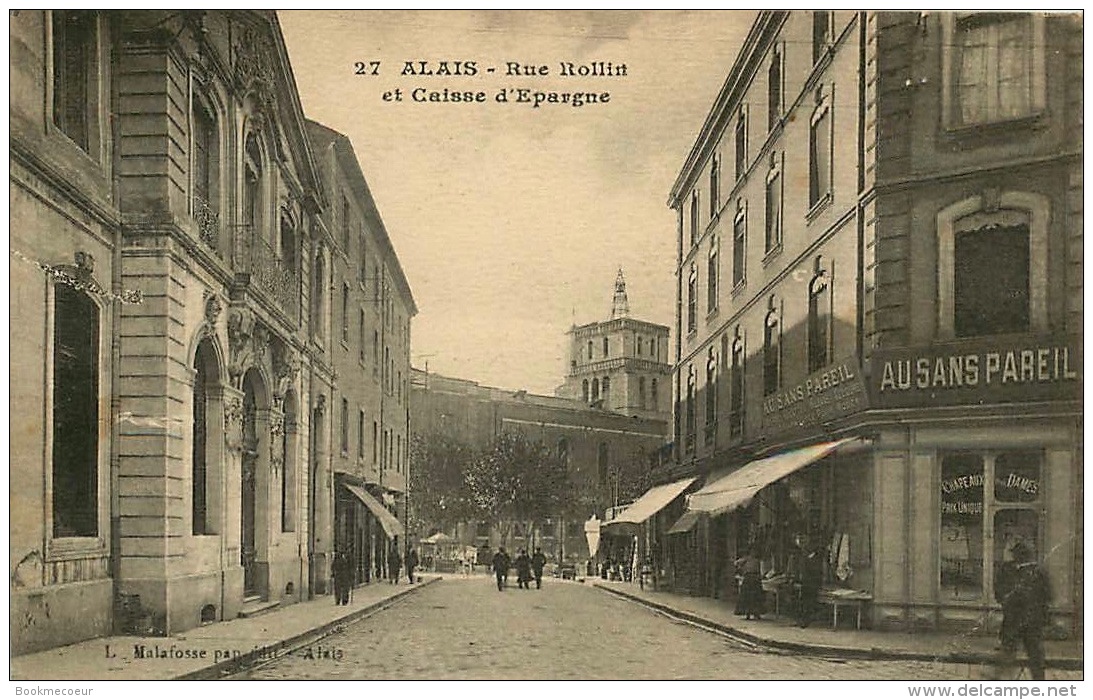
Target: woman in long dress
point(752, 599)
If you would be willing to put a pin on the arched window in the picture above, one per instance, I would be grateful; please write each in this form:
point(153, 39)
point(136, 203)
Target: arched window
point(206, 377)
point(711, 395)
point(606, 347)
point(318, 294)
point(595, 389)
point(252, 185)
point(590, 351)
point(639, 346)
point(206, 172)
point(75, 382)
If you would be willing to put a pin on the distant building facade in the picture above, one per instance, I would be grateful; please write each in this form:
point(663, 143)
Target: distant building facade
point(621, 364)
point(880, 292)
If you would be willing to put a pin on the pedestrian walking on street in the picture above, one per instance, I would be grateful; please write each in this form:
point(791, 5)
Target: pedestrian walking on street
point(411, 563)
point(343, 578)
point(1024, 592)
point(538, 561)
point(523, 570)
point(394, 562)
point(501, 567)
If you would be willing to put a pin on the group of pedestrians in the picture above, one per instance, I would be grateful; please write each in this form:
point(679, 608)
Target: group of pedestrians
point(344, 571)
point(528, 568)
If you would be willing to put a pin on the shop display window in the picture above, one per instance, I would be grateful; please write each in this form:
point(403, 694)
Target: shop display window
point(962, 526)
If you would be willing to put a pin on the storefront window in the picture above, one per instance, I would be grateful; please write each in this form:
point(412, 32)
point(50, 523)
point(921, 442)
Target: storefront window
point(962, 526)
point(969, 548)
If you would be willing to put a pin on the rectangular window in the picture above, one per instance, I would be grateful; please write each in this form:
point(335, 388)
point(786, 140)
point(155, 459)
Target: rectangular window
point(772, 355)
point(364, 262)
point(360, 338)
point(711, 280)
point(345, 225)
point(695, 233)
point(711, 400)
point(375, 441)
point(345, 427)
point(739, 240)
point(736, 391)
point(741, 139)
point(991, 281)
point(994, 67)
point(375, 352)
point(692, 293)
point(819, 155)
point(773, 236)
point(821, 33)
point(74, 46)
point(345, 312)
point(690, 443)
point(360, 435)
point(715, 185)
point(75, 457)
point(774, 89)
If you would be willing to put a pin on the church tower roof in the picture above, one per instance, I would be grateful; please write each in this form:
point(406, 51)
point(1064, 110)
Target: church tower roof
point(620, 306)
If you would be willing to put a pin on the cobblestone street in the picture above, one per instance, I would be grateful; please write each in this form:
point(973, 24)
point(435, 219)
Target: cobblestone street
point(466, 629)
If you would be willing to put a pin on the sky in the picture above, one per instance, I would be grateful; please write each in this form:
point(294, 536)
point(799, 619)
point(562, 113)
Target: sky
point(510, 221)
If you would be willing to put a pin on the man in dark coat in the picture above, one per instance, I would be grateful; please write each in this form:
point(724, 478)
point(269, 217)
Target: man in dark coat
point(810, 579)
point(501, 567)
point(1024, 592)
point(343, 578)
point(394, 562)
point(523, 570)
point(538, 561)
point(410, 563)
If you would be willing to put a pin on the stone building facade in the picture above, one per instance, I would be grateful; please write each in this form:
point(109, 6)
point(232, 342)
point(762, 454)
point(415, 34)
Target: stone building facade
point(168, 249)
point(884, 336)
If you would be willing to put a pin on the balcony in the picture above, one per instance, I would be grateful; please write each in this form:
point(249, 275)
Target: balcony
point(266, 270)
point(208, 224)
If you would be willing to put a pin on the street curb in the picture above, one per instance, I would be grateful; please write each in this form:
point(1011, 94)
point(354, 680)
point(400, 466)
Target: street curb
point(279, 649)
point(873, 654)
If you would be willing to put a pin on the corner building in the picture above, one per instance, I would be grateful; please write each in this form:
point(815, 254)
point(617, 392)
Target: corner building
point(879, 312)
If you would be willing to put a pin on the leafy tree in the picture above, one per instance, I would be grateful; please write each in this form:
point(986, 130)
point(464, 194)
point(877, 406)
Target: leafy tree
point(518, 480)
point(439, 498)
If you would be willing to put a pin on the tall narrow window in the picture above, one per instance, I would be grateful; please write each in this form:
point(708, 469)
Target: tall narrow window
point(819, 151)
point(653, 348)
point(318, 294)
point(821, 33)
point(345, 427)
point(991, 280)
point(606, 347)
point(345, 312)
point(654, 400)
point(692, 303)
point(715, 185)
point(819, 319)
point(206, 193)
point(584, 391)
point(638, 345)
point(364, 261)
point(252, 186)
point(772, 353)
point(204, 373)
point(605, 387)
point(690, 410)
point(711, 397)
point(288, 245)
point(741, 139)
point(345, 225)
point(596, 389)
point(641, 393)
point(375, 352)
point(360, 337)
point(774, 88)
point(773, 237)
point(736, 388)
point(288, 471)
point(739, 242)
point(74, 46)
point(695, 230)
point(375, 441)
point(712, 273)
point(360, 434)
point(590, 351)
point(75, 414)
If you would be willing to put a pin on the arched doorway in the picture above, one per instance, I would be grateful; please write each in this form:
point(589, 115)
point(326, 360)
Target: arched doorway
point(253, 401)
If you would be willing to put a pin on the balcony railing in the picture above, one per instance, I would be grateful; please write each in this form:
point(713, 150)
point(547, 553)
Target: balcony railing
point(208, 223)
point(266, 270)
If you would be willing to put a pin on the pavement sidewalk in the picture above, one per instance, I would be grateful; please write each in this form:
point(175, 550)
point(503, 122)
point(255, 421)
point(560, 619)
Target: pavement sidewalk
point(212, 651)
point(821, 640)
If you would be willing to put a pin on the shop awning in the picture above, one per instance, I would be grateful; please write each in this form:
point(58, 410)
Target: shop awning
point(650, 503)
point(738, 488)
point(388, 521)
point(685, 524)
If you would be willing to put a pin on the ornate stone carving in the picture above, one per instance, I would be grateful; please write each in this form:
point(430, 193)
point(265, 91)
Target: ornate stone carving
point(241, 325)
point(285, 368)
point(276, 444)
point(213, 307)
point(85, 262)
point(253, 64)
point(233, 422)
